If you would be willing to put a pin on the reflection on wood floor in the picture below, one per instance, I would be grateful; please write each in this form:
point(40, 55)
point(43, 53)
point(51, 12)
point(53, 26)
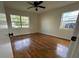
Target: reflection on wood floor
point(39, 46)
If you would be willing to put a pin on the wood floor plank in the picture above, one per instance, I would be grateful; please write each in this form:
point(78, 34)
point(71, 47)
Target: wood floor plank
point(39, 45)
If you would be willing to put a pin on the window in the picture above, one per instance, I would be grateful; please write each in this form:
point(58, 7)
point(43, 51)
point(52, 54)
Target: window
point(3, 22)
point(19, 21)
point(68, 19)
point(25, 21)
point(15, 19)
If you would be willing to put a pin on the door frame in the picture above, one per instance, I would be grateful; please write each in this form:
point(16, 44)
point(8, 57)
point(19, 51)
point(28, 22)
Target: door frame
point(73, 44)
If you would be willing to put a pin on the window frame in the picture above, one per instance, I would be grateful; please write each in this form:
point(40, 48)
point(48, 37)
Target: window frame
point(12, 21)
point(4, 20)
point(28, 22)
point(62, 22)
point(21, 26)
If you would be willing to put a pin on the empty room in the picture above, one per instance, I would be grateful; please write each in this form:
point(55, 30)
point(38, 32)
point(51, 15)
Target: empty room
point(39, 29)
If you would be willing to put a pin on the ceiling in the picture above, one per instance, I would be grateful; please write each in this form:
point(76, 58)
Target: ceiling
point(23, 5)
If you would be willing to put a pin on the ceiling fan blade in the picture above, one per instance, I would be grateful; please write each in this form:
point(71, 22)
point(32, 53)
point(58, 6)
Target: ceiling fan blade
point(30, 7)
point(40, 2)
point(30, 3)
point(41, 6)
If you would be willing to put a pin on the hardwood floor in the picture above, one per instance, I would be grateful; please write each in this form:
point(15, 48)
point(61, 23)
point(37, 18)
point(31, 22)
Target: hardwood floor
point(39, 46)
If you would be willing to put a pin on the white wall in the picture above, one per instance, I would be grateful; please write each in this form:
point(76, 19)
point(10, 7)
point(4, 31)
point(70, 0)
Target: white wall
point(5, 45)
point(33, 22)
point(50, 22)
